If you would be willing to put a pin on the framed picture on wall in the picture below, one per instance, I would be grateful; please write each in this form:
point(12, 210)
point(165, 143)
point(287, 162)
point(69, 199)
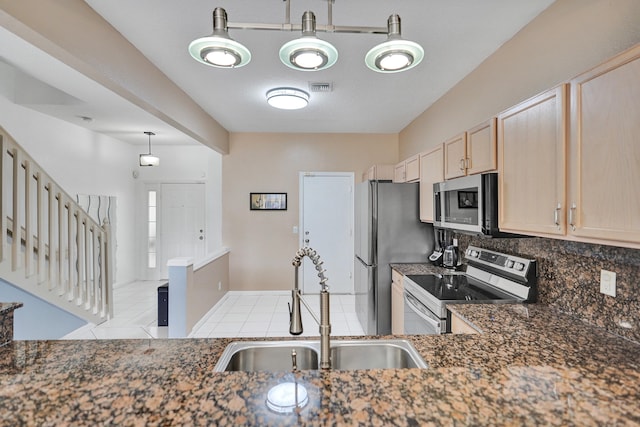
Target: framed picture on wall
point(467, 199)
point(268, 201)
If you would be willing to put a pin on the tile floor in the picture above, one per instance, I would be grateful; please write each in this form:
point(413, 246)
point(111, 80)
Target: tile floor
point(238, 314)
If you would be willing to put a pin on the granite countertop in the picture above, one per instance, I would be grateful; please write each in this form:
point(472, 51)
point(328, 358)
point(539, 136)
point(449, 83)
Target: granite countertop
point(9, 306)
point(531, 365)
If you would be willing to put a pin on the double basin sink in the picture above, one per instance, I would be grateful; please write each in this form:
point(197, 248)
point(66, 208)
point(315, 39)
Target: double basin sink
point(345, 355)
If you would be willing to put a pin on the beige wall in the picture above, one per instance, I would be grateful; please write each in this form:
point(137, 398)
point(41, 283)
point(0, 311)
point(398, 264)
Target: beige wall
point(262, 243)
point(570, 37)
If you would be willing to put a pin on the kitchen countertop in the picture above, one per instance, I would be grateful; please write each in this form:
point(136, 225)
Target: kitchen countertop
point(531, 365)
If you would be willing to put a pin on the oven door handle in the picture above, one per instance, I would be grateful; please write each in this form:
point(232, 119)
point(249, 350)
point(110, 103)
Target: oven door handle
point(419, 309)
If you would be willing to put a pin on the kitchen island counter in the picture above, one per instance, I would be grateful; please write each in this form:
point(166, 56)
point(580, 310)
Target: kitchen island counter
point(532, 365)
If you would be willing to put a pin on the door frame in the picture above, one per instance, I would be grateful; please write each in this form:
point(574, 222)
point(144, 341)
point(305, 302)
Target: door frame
point(350, 175)
point(145, 272)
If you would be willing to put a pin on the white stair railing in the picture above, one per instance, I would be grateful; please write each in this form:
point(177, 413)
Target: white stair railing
point(49, 246)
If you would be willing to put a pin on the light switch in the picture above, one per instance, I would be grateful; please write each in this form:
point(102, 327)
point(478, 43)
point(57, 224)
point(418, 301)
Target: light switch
point(608, 282)
point(295, 229)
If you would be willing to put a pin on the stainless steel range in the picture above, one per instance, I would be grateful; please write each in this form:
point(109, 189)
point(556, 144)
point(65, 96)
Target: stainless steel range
point(491, 277)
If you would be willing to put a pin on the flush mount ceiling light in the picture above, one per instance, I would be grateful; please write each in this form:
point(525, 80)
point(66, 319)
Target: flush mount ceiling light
point(218, 49)
point(287, 98)
point(149, 159)
point(395, 54)
point(307, 53)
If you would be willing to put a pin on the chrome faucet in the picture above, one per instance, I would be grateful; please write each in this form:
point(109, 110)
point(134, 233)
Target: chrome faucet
point(295, 318)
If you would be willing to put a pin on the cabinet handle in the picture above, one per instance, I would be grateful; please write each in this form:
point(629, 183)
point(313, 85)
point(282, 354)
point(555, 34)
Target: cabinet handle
point(556, 215)
point(467, 163)
point(461, 164)
point(571, 222)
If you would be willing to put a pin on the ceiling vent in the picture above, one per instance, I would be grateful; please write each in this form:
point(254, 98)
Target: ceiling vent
point(320, 87)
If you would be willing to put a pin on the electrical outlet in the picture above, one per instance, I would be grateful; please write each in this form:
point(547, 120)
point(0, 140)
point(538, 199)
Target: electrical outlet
point(608, 283)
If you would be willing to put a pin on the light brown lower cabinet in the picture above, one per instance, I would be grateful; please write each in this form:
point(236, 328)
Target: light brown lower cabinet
point(459, 326)
point(397, 303)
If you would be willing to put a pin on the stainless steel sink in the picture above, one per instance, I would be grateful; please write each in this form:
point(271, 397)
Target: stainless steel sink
point(268, 356)
point(345, 355)
point(375, 354)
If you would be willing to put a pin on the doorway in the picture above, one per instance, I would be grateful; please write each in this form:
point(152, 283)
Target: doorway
point(174, 224)
point(182, 222)
point(326, 225)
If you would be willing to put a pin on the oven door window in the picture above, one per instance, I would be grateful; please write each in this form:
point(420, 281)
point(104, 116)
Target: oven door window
point(461, 206)
point(418, 319)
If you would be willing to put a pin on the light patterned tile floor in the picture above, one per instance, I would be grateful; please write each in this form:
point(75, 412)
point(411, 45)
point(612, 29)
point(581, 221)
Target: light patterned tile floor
point(238, 314)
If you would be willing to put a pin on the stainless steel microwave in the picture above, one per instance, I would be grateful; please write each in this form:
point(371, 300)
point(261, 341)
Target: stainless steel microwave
point(468, 204)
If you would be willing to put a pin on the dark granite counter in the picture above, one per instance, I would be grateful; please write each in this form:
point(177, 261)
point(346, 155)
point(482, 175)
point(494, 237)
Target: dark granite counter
point(532, 365)
point(6, 321)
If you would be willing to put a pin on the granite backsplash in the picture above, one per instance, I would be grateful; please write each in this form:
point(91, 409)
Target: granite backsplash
point(569, 278)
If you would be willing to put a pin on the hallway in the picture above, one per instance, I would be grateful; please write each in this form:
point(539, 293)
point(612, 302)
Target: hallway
point(238, 314)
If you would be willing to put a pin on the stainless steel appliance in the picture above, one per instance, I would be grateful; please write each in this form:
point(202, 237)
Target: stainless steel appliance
point(468, 204)
point(491, 277)
point(387, 230)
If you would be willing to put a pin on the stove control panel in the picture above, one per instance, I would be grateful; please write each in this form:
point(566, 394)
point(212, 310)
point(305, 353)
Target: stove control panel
point(510, 264)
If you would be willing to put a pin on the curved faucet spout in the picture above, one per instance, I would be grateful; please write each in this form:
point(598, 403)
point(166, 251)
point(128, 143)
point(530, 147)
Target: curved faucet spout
point(295, 318)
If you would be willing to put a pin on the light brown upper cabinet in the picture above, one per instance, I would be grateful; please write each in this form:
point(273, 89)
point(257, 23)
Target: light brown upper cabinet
point(471, 152)
point(481, 148)
point(407, 170)
point(431, 171)
point(399, 172)
point(604, 168)
point(455, 156)
point(532, 142)
point(378, 172)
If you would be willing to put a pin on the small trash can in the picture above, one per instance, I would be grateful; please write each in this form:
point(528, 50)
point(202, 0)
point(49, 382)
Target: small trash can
point(163, 305)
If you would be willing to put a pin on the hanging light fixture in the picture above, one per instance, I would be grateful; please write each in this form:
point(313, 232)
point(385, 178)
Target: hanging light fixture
point(149, 159)
point(218, 49)
point(287, 98)
point(395, 54)
point(308, 53)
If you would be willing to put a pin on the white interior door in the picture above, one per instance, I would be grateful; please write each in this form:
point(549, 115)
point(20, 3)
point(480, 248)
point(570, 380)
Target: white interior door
point(326, 212)
point(182, 222)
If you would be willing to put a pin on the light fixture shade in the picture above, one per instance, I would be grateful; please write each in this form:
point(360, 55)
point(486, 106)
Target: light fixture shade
point(287, 98)
point(149, 160)
point(219, 50)
point(308, 53)
point(395, 54)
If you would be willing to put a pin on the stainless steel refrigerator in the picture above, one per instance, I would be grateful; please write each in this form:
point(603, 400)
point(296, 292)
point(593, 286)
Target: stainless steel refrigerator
point(387, 230)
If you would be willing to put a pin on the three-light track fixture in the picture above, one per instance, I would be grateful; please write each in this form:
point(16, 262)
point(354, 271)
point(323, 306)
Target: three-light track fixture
point(307, 53)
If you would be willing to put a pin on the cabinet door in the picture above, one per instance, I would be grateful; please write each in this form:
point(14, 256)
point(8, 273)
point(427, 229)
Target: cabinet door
point(431, 172)
point(605, 151)
point(397, 303)
point(455, 156)
point(412, 168)
point(481, 148)
point(531, 165)
point(399, 173)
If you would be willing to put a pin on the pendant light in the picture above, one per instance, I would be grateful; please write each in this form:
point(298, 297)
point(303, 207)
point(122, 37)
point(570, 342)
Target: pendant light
point(218, 49)
point(308, 53)
point(395, 54)
point(149, 159)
